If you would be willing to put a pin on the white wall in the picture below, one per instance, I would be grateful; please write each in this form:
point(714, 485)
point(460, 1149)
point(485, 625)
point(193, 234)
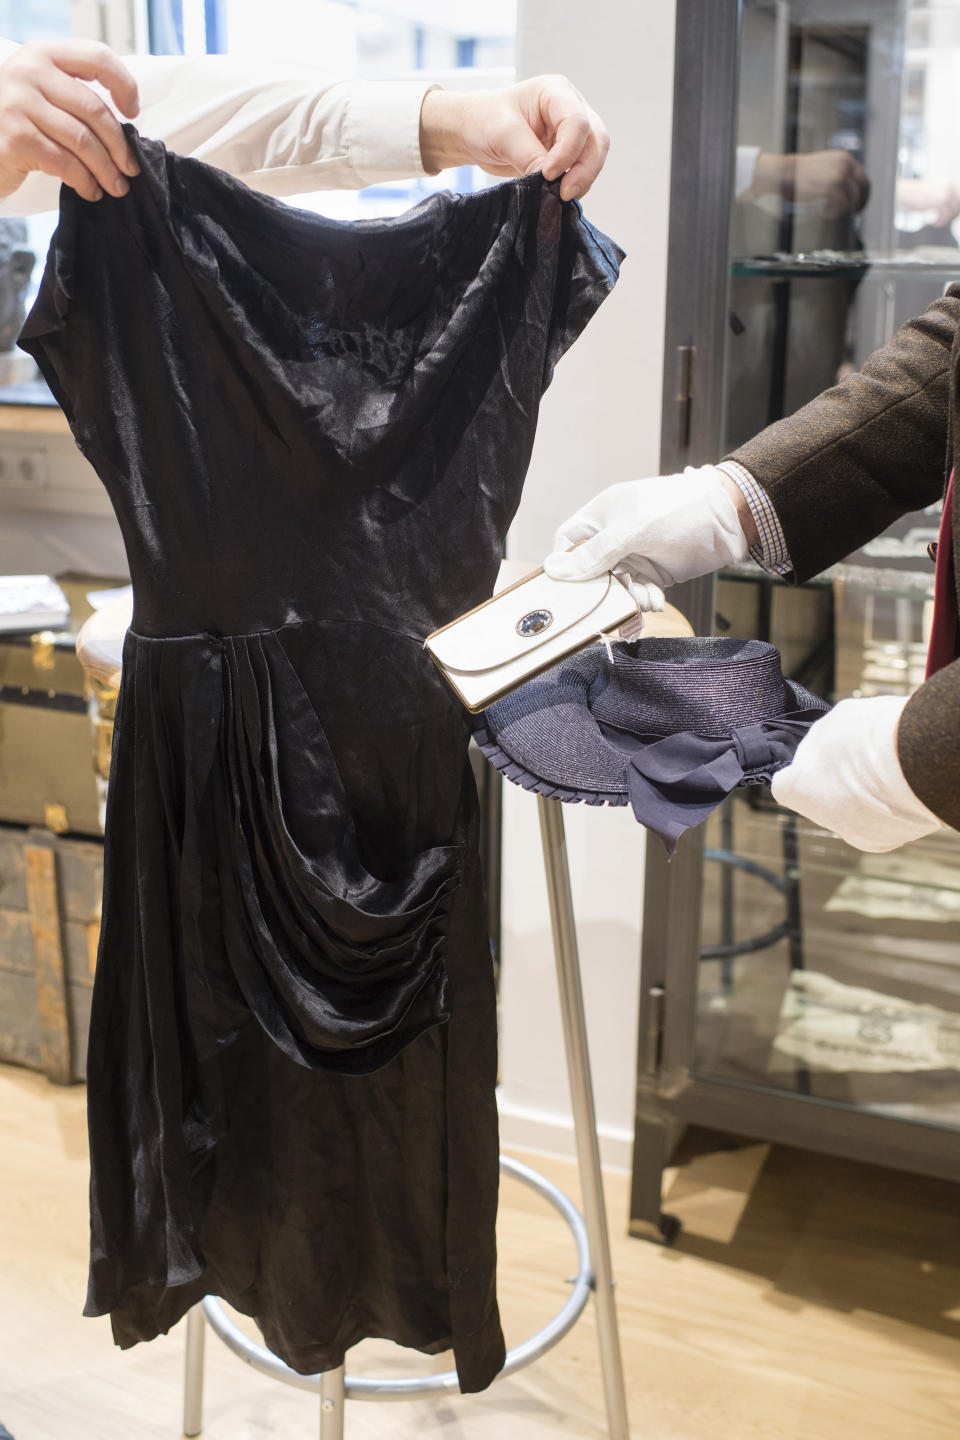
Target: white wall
point(61, 521)
point(600, 423)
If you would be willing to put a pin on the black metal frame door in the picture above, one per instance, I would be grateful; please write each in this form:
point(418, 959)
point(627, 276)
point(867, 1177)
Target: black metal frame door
point(704, 126)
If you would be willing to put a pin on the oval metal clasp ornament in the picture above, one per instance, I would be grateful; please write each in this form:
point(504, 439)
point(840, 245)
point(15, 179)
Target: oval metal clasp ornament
point(534, 623)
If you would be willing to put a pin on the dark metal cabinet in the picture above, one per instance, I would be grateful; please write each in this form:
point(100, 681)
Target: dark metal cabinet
point(794, 989)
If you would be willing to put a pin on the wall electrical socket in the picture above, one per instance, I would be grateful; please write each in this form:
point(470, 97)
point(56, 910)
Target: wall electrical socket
point(23, 471)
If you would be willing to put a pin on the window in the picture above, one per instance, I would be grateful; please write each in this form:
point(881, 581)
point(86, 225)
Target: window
point(24, 20)
point(462, 42)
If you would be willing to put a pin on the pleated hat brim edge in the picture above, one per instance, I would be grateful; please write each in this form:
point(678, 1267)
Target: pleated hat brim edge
point(515, 771)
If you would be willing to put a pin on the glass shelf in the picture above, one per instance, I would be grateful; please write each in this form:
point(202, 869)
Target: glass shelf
point(838, 264)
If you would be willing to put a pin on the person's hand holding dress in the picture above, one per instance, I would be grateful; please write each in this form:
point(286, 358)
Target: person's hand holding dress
point(52, 122)
point(540, 124)
point(277, 126)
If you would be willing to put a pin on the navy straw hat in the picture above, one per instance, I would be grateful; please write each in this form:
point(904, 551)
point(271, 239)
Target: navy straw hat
point(671, 727)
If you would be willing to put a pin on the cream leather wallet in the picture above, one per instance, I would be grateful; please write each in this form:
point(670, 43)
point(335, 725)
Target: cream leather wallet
point(528, 627)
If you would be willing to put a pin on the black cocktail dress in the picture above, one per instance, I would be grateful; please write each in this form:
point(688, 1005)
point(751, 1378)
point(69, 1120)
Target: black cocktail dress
point(314, 435)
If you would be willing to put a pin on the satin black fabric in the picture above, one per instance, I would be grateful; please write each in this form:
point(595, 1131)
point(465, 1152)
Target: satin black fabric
point(314, 435)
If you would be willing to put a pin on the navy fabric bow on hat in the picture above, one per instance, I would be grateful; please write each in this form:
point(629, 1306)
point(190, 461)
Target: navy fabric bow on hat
point(671, 728)
point(676, 783)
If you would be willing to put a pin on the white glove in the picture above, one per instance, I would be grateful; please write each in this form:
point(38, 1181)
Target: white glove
point(846, 777)
point(652, 533)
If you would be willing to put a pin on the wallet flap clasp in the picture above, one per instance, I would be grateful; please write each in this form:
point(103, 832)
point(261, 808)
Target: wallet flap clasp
point(517, 622)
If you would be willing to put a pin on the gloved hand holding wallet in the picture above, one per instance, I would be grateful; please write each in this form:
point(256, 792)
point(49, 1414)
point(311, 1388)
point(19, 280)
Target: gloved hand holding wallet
point(652, 532)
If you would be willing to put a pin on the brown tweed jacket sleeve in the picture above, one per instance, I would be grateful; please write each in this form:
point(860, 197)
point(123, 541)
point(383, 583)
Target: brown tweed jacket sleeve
point(843, 467)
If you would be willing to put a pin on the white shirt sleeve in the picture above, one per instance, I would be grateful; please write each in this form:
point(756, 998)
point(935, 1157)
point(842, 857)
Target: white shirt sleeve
point(281, 128)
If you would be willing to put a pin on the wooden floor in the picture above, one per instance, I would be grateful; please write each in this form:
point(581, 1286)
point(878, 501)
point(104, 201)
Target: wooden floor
point(806, 1299)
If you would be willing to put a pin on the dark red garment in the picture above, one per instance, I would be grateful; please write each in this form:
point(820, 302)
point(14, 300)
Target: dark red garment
point(944, 633)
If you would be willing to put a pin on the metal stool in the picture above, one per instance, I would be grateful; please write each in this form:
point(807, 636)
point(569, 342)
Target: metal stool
point(594, 1271)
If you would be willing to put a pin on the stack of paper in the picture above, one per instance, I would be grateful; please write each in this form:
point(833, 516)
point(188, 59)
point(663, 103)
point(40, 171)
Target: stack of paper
point(31, 602)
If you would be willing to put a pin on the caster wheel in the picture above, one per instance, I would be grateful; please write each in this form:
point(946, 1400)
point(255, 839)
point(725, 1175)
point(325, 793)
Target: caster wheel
point(670, 1227)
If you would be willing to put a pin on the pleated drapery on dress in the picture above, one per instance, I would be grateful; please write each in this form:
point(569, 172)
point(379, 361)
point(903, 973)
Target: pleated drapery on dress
point(314, 435)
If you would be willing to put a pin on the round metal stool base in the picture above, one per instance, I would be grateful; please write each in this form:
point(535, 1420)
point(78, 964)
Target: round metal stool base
point(366, 1388)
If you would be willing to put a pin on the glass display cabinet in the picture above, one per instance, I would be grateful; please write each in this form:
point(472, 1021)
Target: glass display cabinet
point(794, 989)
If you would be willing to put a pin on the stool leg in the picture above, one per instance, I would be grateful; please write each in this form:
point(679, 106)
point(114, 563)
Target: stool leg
point(584, 1113)
point(331, 1404)
point(193, 1373)
point(726, 896)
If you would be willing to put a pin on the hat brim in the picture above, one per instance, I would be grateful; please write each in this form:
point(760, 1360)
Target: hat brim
point(536, 736)
point(516, 772)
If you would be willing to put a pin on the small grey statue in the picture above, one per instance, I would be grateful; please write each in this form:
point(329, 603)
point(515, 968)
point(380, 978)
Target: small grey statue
point(16, 267)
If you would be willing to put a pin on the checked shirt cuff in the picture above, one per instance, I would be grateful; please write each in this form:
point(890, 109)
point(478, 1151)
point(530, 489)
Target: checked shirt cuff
point(771, 553)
